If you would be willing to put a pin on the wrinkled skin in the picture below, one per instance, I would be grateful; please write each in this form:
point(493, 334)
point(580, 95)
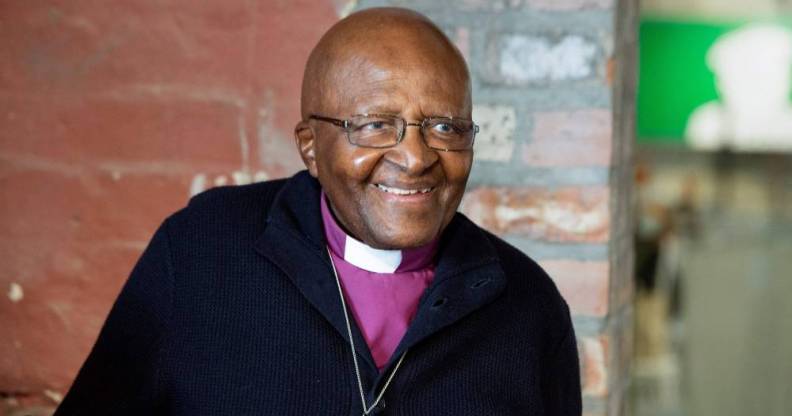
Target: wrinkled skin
point(390, 61)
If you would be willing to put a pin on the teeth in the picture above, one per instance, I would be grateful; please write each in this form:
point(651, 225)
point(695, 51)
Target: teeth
point(399, 191)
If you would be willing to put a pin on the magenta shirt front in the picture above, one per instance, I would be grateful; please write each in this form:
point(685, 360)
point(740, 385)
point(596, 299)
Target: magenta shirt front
point(381, 287)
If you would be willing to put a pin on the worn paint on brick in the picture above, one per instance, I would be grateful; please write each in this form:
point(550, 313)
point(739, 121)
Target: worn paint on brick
point(564, 5)
point(566, 214)
point(15, 292)
point(532, 58)
point(570, 138)
point(594, 353)
point(554, 5)
point(200, 181)
point(583, 284)
point(495, 140)
point(462, 41)
point(344, 7)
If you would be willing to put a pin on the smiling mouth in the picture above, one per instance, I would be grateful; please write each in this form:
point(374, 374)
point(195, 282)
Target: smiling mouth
point(400, 191)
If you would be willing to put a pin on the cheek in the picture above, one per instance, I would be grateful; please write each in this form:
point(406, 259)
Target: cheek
point(352, 163)
point(361, 163)
point(457, 167)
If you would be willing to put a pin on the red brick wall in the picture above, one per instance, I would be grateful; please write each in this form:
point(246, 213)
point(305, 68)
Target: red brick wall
point(112, 114)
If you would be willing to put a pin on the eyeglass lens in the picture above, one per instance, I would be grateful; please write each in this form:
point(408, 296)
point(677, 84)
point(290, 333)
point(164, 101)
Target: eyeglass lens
point(385, 131)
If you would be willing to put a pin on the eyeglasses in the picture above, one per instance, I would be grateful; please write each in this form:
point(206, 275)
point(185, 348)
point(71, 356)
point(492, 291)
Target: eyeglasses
point(381, 131)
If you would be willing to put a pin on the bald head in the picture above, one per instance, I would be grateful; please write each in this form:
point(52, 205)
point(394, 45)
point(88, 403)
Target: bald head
point(394, 66)
point(375, 41)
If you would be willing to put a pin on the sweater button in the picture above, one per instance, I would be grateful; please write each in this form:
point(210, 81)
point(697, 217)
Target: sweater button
point(439, 303)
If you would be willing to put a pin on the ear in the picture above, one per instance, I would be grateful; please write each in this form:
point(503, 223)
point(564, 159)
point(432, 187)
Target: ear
point(305, 139)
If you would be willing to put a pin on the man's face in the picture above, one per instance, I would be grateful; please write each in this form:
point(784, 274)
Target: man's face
point(366, 186)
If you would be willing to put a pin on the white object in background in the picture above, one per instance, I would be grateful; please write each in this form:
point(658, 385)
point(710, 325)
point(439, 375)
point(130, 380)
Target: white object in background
point(752, 70)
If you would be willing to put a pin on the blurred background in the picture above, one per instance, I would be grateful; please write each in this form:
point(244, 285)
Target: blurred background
point(667, 229)
point(714, 209)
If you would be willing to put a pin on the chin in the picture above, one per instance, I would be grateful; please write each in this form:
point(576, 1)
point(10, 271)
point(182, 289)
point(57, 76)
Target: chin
point(400, 240)
point(386, 233)
point(398, 244)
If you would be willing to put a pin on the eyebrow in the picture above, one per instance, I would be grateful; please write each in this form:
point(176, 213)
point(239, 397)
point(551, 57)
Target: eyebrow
point(378, 106)
point(382, 110)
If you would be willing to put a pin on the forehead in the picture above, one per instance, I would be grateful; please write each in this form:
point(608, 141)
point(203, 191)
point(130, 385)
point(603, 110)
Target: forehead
point(434, 84)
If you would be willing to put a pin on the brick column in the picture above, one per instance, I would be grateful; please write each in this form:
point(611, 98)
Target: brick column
point(553, 92)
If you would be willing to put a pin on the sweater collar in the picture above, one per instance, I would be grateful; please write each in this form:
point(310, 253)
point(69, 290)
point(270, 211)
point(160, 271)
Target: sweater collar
point(365, 257)
point(468, 274)
point(296, 213)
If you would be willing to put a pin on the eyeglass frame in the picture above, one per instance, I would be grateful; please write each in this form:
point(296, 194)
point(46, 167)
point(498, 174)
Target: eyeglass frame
point(346, 125)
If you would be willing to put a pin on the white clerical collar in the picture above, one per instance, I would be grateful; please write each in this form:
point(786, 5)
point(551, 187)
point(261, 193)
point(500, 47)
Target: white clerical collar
point(365, 257)
point(372, 259)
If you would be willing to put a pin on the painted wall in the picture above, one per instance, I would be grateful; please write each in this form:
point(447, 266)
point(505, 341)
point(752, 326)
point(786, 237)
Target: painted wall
point(113, 114)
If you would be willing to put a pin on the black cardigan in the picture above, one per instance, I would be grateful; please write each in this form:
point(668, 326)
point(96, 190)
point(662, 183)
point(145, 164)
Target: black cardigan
point(233, 310)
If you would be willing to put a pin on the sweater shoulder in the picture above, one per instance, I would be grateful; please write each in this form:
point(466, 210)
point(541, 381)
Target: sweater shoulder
point(517, 264)
point(230, 204)
point(229, 195)
point(527, 279)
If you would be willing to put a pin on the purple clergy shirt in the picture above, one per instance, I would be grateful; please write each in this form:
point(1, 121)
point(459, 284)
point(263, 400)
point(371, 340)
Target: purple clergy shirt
point(381, 287)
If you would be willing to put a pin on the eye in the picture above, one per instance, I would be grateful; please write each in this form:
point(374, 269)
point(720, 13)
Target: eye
point(444, 128)
point(374, 126)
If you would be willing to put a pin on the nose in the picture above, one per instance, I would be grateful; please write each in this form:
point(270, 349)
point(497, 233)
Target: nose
point(412, 154)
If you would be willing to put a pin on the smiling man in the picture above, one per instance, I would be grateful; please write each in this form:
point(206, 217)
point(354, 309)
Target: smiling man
point(353, 287)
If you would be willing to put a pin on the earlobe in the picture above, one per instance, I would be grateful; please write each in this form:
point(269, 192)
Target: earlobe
point(304, 138)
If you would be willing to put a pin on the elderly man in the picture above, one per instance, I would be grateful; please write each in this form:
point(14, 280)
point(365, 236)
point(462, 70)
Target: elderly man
point(353, 287)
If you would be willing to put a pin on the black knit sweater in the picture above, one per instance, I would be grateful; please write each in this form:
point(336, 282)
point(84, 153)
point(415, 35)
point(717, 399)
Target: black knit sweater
point(232, 310)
